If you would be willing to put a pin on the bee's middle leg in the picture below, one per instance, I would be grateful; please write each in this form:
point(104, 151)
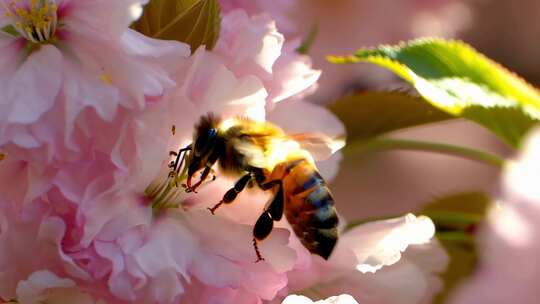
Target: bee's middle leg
point(261, 230)
point(231, 194)
point(277, 205)
point(274, 212)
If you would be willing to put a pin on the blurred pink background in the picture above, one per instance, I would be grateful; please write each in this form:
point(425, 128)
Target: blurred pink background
point(392, 183)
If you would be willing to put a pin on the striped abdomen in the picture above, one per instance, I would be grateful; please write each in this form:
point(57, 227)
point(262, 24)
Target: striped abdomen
point(309, 207)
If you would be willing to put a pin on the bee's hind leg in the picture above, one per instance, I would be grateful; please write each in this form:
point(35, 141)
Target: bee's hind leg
point(230, 195)
point(274, 212)
point(276, 206)
point(257, 252)
point(261, 230)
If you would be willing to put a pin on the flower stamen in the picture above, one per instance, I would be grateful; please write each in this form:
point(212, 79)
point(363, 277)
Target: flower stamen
point(36, 22)
point(164, 194)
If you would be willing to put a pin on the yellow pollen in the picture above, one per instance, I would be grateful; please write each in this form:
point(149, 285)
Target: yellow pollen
point(35, 21)
point(2, 156)
point(105, 78)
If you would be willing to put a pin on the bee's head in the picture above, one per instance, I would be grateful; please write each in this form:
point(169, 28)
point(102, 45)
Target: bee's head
point(205, 142)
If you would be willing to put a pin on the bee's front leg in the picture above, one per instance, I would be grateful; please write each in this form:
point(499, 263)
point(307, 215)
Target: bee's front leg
point(204, 176)
point(180, 156)
point(213, 173)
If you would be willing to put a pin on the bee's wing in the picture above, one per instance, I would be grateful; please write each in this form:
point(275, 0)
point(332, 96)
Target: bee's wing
point(319, 145)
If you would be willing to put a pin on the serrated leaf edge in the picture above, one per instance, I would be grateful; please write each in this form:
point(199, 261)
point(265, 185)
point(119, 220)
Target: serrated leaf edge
point(528, 109)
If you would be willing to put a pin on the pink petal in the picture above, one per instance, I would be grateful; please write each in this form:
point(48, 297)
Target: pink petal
point(35, 85)
point(251, 43)
point(341, 299)
point(166, 51)
point(378, 244)
point(295, 73)
point(34, 290)
point(213, 87)
point(109, 17)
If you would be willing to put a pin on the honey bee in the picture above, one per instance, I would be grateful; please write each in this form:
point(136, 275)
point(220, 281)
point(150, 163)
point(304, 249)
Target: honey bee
point(261, 154)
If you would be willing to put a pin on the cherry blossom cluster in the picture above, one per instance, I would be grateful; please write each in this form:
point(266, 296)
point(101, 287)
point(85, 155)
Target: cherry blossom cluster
point(86, 111)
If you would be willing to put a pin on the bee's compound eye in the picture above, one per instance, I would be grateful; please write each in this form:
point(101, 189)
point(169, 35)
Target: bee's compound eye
point(204, 142)
point(200, 144)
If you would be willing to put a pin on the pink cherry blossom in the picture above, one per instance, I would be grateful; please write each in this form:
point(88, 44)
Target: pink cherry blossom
point(107, 222)
point(274, 61)
point(510, 240)
point(60, 72)
point(276, 9)
point(46, 287)
point(368, 264)
point(122, 250)
point(26, 231)
point(109, 242)
point(191, 227)
point(348, 25)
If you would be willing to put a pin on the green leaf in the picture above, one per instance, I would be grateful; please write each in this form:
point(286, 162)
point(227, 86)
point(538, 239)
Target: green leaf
point(371, 114)
point(457, 211)
point(470, 202)
point(195, 22)
point(457, 79)
point(457, 217)
point(463, 261)
point(10, 29)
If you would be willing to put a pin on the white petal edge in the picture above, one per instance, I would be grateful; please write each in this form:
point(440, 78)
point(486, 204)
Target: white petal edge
point(378, 244)
point(341, 299)
point(34, 289)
